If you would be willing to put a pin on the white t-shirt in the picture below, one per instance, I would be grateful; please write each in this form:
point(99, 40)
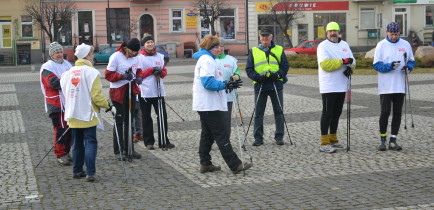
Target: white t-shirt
point(149, 84)
point(119, 63)
point(333, 81)
point(387, 52)
point(203, 99)
point(228, 65)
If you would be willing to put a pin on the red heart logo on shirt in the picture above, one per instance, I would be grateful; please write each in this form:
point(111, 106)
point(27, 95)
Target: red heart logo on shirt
point(75, 81)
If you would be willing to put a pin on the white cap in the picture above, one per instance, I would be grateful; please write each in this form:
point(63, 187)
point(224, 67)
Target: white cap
point(82, 50)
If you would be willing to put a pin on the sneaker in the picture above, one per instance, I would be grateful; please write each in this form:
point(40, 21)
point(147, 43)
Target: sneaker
point(394, 146)
point(135, 139)
point(68, 155)
point(327, 149)
point(257, 143)
point(280, 143)
point(63, 161)
point(90, 178)
point(209, 168)
point(136, 155)
point(170, 146)
point(79, 175)
point(242, 167)
point(338, 145)
point(382, 146)
point(150, 147)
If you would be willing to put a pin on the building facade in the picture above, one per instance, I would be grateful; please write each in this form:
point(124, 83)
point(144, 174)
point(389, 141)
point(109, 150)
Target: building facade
point(362, 22)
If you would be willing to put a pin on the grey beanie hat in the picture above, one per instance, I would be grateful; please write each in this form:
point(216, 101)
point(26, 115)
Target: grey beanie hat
point(54, 47)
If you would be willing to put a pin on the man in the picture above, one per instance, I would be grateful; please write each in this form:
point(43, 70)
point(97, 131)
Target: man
point(82, 87)
point(267, 66)
point(123, 70)
point(335, 61)
point(390, 63)
point(50, 74)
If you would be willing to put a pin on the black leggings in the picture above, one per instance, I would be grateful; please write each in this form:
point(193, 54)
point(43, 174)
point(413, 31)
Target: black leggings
point(386, 101)
point(332, 104)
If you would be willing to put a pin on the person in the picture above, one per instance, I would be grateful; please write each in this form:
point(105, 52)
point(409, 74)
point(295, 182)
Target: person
point(50, 75)
point(209, 100)
point(414, 41)
point(390, 63)
point(228, 65)
point(268, 66)
point(335, 61)
point(137, 124)
point(82, 87)
point(154, 71)
point(123, 69)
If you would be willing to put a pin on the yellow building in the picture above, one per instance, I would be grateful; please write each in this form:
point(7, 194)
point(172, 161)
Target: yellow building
point(19, 38)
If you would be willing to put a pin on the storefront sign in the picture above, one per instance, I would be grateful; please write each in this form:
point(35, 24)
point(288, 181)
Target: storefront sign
point(413, 1)
point(191, 19)
point(303, 6)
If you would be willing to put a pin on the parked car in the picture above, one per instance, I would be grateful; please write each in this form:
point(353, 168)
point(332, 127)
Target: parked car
point(161, 49)
point(103, 55)
point(305, 47)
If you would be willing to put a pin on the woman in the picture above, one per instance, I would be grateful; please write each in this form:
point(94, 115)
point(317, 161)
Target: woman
point(154, 73)
point(209, 100)
point(124, 69)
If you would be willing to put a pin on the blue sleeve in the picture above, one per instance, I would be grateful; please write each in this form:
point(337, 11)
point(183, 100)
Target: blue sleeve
point(210, 83)
point(382, 67)
point(411, 65)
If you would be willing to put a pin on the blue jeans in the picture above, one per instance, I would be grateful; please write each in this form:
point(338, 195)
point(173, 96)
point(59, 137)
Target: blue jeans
point(258, 130)
point(84, 149)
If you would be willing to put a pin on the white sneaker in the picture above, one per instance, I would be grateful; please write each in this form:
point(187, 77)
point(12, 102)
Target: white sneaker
point(328, 149)
point(338, 145)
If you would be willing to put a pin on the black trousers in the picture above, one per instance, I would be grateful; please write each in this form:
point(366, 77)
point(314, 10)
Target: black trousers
point(386, 101)
point(146, 105)
point(332, 104)
point(215, 128)
point(121, 120)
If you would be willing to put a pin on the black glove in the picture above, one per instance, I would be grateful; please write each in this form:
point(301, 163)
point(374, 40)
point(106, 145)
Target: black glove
point(406, 69)
point(156, 71)
point(348, 72)
point(395, 64)
point(139, 80)
point(263, 77)
point(347, 61)
point(274, 76)
point(127, 76)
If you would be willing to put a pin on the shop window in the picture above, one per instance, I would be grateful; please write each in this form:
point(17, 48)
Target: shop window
point(367, 18)
point(227, 23)
point(176, 20)
point(26, 26)
point(266, 21)
point(320, 21)
point(429, 17)
point(204, 25)
point(118, 24)
point(64, 36)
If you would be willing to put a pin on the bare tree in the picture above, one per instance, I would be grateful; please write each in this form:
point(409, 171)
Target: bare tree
point(284, 13)
point(210, 10)
point(51, 15)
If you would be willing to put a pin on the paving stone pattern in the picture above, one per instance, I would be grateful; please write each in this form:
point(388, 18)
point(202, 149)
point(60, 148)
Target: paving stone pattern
point(283, 177)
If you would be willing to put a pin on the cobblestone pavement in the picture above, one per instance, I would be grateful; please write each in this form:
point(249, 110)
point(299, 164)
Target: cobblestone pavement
point(283, 177)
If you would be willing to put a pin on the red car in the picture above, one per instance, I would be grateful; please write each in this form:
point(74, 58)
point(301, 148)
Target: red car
point(305, 47)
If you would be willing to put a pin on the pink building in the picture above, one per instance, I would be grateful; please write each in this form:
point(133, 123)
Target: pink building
point(173, 23)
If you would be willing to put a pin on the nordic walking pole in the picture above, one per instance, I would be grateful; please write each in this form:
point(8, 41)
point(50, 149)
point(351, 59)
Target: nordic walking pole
point(407, 89)
point(57, 141)
point(239, 142)
point(119, 146)
point(242, 124)
point(253, 113)
point(349, 111)
point(174, 111)
point(281, 108)
point(160, 116)
point(130, 135)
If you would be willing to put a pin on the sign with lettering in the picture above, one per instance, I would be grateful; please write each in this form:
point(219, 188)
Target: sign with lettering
point(303, 6)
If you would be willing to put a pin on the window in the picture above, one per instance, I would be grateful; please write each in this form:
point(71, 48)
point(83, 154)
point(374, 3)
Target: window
point(176, 20)
point(204, 25)
point(26, 26)
point(64, 36)
point(320, 21)
point(429, 17)
point(266, 21)
point(118, 24)
point(367, 18)
point(5, 34)
point(227, 23)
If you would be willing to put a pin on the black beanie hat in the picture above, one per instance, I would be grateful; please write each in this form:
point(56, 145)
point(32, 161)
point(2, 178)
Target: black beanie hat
point(147, 38)
point(133, 44)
